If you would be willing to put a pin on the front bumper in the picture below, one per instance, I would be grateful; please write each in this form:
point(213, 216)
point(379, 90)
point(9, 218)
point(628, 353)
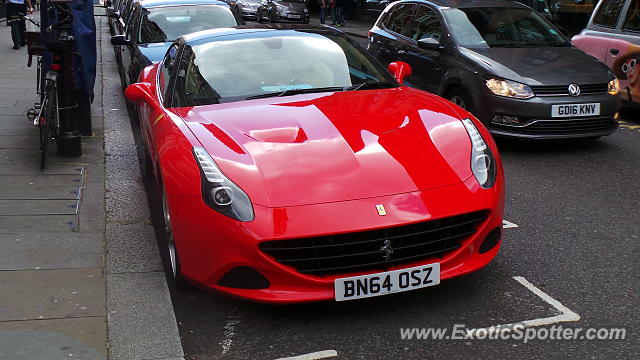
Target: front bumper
point(249, 14)
point(210, 245)
point(535, 116)
point(286, 18)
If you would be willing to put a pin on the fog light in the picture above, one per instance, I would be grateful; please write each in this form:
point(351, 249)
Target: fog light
point(491, 240)
point(616, 116)
point(244, 277)
point(505, 119)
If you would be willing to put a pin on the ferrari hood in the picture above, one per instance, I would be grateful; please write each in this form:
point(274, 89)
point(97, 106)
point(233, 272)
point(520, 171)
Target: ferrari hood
point(318, 148)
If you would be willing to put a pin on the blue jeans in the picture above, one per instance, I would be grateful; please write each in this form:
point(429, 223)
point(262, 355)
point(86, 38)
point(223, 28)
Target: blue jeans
point(337, 15)
point(324, 11)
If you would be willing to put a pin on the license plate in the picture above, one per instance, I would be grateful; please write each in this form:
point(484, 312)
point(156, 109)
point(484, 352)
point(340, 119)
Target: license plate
point(358, 287)
point(569, 110)
point(291, 16)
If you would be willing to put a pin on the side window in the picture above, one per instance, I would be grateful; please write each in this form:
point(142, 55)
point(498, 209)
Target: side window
point(426, 24)
point(608, 13)
point(168, 68)
point(192, 88)
point(632, 21)
point(132, 25)
point(400, 19)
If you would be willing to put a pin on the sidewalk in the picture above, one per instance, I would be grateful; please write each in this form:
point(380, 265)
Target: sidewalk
point(80, 272)
point(52, 288)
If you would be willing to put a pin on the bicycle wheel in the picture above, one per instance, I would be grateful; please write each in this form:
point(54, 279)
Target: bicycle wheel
point(48, 121)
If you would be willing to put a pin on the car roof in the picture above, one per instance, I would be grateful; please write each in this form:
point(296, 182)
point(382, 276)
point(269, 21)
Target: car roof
point(156, 3)
point(457, 4)
point(248, 29)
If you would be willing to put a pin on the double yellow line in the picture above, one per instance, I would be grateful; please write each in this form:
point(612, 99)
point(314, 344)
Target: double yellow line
point(628, 125)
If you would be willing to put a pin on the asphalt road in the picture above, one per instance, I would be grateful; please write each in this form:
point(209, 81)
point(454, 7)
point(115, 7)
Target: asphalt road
point(577, 208)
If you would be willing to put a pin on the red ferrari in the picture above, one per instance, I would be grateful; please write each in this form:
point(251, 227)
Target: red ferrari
point(293, 167)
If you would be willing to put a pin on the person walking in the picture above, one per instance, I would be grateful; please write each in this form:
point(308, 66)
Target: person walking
point(324, 10)
point(338, 13)
point(15, 8)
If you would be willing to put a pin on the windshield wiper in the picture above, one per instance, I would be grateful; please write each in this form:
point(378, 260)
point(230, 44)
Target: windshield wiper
point(289, 92)
point(369, 85)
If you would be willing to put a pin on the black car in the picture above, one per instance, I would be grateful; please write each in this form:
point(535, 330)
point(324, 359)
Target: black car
point(502, 61)
point(283, 11)
point(154, 24)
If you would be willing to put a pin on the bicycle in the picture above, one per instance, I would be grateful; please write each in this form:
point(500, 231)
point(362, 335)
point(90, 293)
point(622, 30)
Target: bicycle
point(57, 89)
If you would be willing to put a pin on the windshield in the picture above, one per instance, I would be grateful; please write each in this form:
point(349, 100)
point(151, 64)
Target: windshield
point(164, 24)
point(502, 27)
point(273, 64)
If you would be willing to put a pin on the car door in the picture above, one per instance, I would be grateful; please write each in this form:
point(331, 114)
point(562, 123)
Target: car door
point(129, 52)
point(150, 115)
point(391, 38)
point(427, 65)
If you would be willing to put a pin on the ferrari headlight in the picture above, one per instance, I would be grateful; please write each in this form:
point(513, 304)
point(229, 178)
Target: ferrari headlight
point(220, 193)
point(613, 88)
point(482, 160)
point(509, 88)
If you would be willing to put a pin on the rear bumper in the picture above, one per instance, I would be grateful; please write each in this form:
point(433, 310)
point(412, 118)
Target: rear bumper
point(210, 245)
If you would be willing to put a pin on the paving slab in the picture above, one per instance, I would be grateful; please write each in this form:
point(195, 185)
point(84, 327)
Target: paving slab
point(52, 223)
point(34, 169)
point(19, 141)
point(38, 207)
point(55, 339)
point(61, 293)
point(28, 251)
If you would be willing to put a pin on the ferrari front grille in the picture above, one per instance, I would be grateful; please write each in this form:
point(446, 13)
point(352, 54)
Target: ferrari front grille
point(374, 249)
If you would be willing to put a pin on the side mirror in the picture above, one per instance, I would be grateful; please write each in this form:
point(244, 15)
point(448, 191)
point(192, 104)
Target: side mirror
point(399, 70)
point(139, 93)
point(120, 40)
point(429, 44)
point(115, 14)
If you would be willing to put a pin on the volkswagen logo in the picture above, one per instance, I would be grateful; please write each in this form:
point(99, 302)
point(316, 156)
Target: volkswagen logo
point(574, 89)
point(386, 250)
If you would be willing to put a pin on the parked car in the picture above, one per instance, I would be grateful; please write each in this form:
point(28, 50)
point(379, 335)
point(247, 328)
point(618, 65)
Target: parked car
point(376, 6)
point(247, 9)
point(503, 62)
point(154, 24)
point(613, 37)
point(119, 15)
point(293, 167)
point(273, 11)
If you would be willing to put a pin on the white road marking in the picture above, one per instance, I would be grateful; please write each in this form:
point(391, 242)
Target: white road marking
point(508, 224)
point(229, 331)
point(566, 315)
point(313, 356)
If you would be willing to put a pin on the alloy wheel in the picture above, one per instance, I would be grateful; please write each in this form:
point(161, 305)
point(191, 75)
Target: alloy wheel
point(171, 245)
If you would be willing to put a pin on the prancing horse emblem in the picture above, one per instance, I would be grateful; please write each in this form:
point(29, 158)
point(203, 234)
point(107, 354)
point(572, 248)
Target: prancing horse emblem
point(381, 210)
point(386, 249)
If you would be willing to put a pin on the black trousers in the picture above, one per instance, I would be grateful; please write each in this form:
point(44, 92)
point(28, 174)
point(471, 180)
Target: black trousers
point(19, 27)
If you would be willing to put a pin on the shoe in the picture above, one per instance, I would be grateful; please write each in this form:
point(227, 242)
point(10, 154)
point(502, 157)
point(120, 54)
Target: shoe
point(23, 45)
point(16, 47)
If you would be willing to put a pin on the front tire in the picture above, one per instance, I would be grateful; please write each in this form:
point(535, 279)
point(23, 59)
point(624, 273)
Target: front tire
point(172, 253)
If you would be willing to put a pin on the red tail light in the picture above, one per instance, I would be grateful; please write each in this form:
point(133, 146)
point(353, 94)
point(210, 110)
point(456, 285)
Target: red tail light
point(56, 67)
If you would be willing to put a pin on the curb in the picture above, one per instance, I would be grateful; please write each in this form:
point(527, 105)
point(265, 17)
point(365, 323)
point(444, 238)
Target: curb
point(141, 322)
